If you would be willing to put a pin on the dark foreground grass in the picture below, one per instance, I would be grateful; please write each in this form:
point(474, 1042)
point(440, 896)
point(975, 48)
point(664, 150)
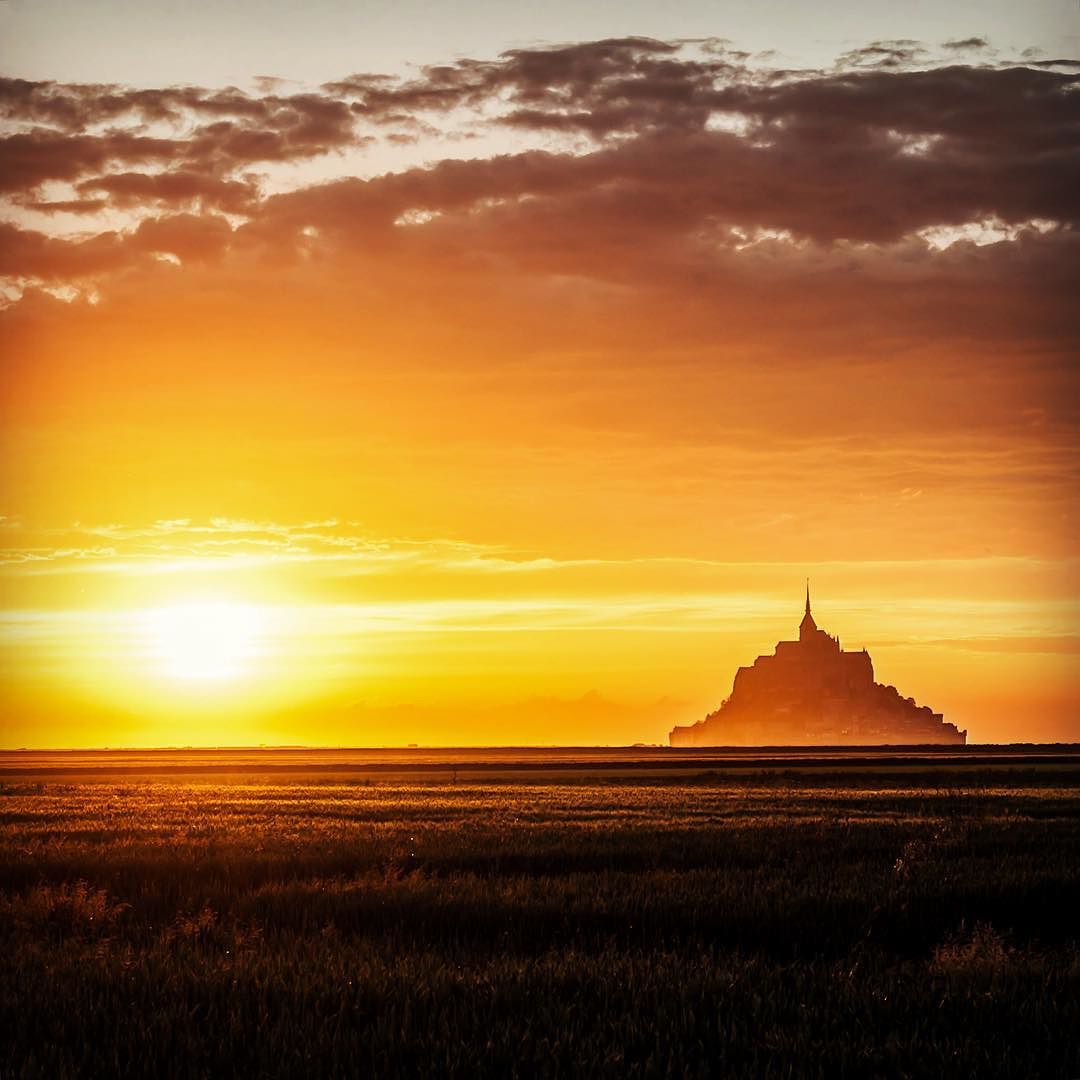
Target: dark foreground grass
point(727, 927)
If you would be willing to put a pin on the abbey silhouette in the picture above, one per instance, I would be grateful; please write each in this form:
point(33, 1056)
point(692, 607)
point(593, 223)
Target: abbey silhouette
point(812, 692)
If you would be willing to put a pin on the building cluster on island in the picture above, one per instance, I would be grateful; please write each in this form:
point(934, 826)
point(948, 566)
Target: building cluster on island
point(812, 692)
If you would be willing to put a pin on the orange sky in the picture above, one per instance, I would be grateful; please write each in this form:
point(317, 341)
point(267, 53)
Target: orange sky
point(512, 400)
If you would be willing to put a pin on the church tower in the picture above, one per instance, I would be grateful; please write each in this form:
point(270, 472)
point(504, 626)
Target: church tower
point(807, 628)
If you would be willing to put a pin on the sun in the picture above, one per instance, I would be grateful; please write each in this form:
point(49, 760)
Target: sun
point(204, 640)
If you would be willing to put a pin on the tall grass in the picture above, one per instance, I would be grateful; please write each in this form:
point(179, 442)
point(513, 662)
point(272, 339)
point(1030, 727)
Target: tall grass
point(742, 926)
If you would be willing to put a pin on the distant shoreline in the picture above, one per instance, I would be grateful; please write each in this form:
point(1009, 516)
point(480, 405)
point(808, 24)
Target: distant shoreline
point(642, 748)
point(524, 764)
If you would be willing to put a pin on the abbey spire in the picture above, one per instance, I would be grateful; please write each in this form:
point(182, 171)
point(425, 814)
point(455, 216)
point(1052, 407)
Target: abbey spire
point(807, 626)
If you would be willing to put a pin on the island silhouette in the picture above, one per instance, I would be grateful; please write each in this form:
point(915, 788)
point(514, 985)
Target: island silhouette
point(812, 692)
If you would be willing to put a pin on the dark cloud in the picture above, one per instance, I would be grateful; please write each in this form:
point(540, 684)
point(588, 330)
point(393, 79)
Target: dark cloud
point(636, 82)
point(870, 157)
point(195, 238)
point(76, 108)
point(28, 159)
point(28, 254)
point(190, 237)
point(176, 188)
point(899, 53)
point(693, 171)
point(66, 206)
point(966, 44)
point(211, 133)
point(1070, 66)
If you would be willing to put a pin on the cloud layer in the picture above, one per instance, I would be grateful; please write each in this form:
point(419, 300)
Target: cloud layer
point(665, 162)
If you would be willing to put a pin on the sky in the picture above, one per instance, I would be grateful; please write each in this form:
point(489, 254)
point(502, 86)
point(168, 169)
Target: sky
point(462, 373)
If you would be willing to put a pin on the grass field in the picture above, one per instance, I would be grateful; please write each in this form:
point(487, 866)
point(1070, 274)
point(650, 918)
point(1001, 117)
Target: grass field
point(845, 918)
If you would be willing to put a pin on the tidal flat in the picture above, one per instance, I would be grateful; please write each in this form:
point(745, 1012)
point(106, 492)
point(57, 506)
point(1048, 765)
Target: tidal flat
point(892, 915)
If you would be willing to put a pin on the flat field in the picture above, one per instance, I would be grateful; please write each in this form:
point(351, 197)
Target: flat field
point(541, 913)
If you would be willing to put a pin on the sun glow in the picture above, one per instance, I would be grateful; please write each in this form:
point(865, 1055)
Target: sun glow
point(204, 640)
